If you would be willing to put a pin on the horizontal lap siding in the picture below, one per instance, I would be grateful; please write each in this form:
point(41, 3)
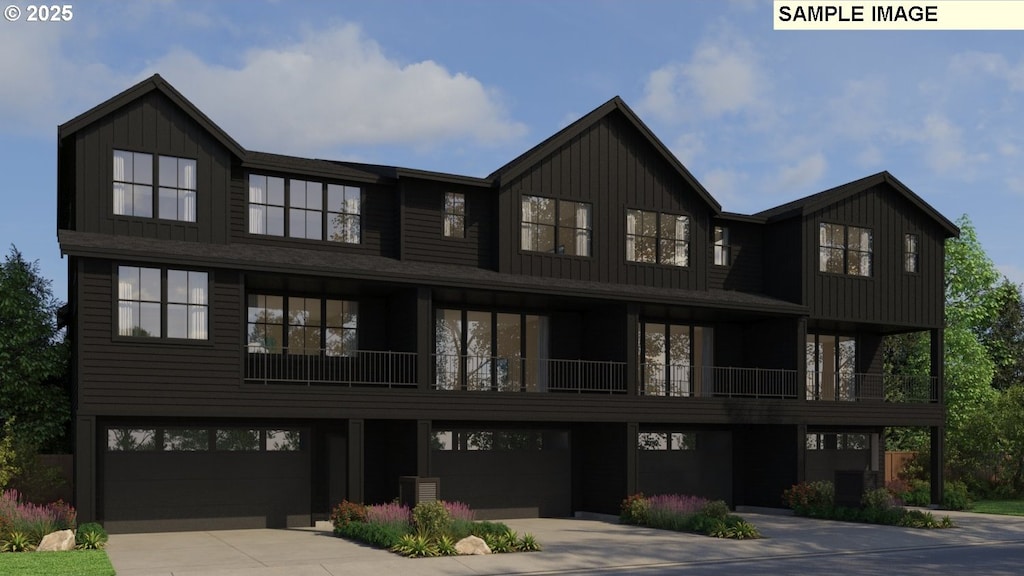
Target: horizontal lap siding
point(613, 167)
point(890, 295)
point(155, 126)
point(424, 240)
point(159, 374)
point(745, 268)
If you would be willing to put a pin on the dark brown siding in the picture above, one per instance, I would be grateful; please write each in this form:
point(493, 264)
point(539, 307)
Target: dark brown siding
point(423, 228)
point(890, 296)
point(783, 250)
point(747, 255)
point(160, 373)
point(614, 168)
point(152, 125)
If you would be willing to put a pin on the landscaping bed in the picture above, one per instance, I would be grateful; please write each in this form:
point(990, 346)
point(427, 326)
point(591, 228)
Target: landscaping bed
point(878, 506)
point(429, 529)
point(686, 514)
point(23, 525)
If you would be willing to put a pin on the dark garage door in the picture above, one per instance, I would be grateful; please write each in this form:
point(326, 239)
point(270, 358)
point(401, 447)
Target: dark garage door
point(205, 485)
point(503, 474)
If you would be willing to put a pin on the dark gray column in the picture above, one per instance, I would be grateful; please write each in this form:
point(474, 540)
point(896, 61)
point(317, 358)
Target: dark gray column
point(85, 468)
point(632, 350)
point(801, 360)
point(424, 338)
point(632, 433)
point(801, 453)
point(423, 438)
point(355, 460)
point(938, 481)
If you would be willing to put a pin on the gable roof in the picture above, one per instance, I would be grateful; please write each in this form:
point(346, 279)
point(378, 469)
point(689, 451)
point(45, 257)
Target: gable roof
point(151, 84)
point(522, 162)
point(815, 202)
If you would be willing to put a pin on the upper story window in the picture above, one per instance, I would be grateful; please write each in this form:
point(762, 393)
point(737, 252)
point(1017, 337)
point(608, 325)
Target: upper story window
point(910, 253)
point(558, 226)
point(153, 303)
point(299, 210)
point(655, 237)
point(177, 189)
point(133, 184)
point(844, 249)
point(305, 209)
point(723, 251)
point(344, 205)
point(454, 215)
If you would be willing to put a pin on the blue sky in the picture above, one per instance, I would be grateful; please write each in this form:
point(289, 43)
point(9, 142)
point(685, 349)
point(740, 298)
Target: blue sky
point(760, 117)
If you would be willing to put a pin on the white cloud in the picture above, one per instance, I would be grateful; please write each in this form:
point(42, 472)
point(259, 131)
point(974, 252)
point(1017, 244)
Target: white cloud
point(944, 148)
point(860, 109)
point(687, 147)
point(1013, 272)
point(336, 88)
point(870, 157)
point(970, 63)
point(800, 176)
point(723, 76)
point(726, 186)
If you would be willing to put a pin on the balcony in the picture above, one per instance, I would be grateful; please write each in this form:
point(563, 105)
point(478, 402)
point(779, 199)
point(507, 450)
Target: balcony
point(326, 367)
point(714, 381)
point(504, 374)
point(850, 387)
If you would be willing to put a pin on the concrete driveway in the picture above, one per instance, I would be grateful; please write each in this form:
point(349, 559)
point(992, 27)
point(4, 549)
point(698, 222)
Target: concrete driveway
point(570, 546)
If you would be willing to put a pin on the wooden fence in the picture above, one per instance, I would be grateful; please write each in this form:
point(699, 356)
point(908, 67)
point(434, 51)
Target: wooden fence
point(895, 462)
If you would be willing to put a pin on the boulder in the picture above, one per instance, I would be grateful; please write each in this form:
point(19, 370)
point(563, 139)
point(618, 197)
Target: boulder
point(57, 541)
point(471, 545)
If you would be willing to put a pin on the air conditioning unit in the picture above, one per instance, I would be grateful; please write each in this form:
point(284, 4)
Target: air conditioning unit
point(415, 489)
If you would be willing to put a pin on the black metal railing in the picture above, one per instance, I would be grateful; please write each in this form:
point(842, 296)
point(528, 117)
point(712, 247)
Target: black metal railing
point(330, 367)
point(512, 374)
point(850, 387)
point(683, 380)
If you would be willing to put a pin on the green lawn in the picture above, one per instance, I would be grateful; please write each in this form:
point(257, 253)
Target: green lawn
point(1011, 507)
point(71, 563)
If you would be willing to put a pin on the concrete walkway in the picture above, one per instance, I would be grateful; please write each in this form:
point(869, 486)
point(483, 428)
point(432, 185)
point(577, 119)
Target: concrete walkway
point(570, 546)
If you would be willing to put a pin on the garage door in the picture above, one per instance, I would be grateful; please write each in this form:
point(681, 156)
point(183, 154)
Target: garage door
point(199, 478)
point(505, 473)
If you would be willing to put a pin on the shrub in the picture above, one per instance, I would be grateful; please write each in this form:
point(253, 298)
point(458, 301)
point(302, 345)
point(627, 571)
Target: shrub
point(634, 510)
point(501, 542)
point(458, 511)
point(815, 499)
point(347, 512)
point(415, 545)
point(955, 496)
point(392, 513)
point(379, 535)
point(445, 545)
point(879, 507)
point(33, 520)
point(879, 499)
point(17, 541)
point(528, 544)
point(431, 519)
point(90, 536)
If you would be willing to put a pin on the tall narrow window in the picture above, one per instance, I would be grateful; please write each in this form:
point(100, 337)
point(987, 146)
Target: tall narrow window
point(177, 189)
point(138, 301)
point(266, 323)
point(133, 184)
point(304, 326)
point(344, 205)
point(858, 251)
point(832, 247)
point(574, 228)
point(910, 253)
point(831, 367)
point(341, 326)
point(266, 205)
point(675, 358)
point(675, 240)
point(454, 215)
point(641, 236)
point(538, 224)
point(187, 304)
point(723, 255)
point(305, 209)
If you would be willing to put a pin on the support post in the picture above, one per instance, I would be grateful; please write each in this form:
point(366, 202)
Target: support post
point(85, 468)
point(632, 434)
point(938, 481)
point(423, 438)
point(632, 350)
point(424, 338)
point(355, 460)
point(801, 359)
point(801, 453)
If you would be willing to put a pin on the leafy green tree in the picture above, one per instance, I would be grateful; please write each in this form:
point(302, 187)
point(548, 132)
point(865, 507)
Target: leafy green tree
point(1010, 420)
point(1004, 336)
point(33, 356)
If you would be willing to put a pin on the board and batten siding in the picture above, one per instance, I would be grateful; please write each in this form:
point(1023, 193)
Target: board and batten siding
point(163, 376)
point(746, 265)
point(423, 237)
point(152, 125)
point(889, 296)
point(614, 168)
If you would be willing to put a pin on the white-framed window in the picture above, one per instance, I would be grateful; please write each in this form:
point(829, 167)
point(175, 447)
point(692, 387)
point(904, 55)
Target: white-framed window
point(177, 195)
point(133, 184)
point(157, 303)
point(454, 215)
point(845, 249)
point(655, 237)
